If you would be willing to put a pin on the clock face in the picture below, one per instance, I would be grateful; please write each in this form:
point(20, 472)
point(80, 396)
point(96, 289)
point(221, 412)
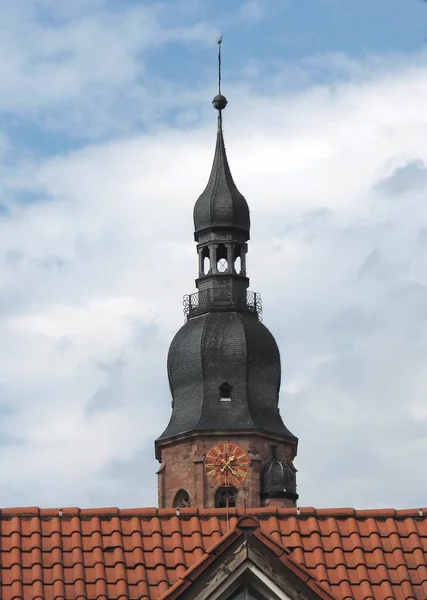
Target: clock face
point(226, 465)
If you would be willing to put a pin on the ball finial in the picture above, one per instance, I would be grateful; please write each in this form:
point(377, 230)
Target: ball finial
point(219, 102)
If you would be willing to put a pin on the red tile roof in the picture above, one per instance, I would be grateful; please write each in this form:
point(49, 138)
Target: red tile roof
point(214, 554)
point(140, 553)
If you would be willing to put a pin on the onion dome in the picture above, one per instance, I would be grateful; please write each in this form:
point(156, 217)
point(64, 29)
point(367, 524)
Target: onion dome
point(224, 374)
point(277, 478)
point(221, 205)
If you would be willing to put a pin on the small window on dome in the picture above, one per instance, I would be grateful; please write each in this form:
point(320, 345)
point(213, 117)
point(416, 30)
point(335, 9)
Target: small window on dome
point(225, 392)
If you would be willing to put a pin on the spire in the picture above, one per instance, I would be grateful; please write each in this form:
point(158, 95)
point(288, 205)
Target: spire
point(223, 364)
point(221, 205)
point(223, 356)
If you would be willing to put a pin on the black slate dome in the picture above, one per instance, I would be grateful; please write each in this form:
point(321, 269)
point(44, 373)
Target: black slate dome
point(277, 478)
point(224, 350)
point(221, 205)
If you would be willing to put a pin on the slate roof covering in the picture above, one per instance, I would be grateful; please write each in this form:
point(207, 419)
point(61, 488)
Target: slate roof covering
point(224, 346)
point(221, 204)
point(141, 553)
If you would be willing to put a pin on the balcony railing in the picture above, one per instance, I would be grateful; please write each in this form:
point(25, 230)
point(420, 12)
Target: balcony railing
point(210, 300)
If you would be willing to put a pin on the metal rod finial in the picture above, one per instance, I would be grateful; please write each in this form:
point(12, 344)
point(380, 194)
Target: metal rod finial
point(219, 42)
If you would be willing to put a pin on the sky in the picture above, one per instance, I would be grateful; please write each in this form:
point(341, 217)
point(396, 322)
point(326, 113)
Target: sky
point(107, 136)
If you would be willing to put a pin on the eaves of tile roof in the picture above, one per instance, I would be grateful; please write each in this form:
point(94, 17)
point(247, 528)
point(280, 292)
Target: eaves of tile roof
point(107, 553)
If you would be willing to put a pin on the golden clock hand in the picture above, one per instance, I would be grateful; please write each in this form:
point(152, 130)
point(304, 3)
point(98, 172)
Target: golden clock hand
point(226, 464)
point(229, 461)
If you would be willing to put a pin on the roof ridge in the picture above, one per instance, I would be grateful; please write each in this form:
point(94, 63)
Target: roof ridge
point(388, 546)
point(309, 511)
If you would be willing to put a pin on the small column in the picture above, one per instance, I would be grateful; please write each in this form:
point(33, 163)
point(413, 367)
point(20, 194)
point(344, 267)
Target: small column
point(243, 261)
point(230, 258)
point(201, 265)
point(212, 258)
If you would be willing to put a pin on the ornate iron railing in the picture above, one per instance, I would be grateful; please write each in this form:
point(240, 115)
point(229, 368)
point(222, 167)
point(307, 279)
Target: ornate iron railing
point(210, 300)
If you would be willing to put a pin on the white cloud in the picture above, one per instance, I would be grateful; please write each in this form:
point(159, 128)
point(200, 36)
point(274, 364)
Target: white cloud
point(81, 68)
point(92, 275)
point(251, 10)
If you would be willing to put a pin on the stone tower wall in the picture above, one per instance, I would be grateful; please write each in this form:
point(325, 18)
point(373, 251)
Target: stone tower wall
point(182, 468)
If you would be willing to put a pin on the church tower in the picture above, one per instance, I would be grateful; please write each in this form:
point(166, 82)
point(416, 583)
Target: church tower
point(226, 443)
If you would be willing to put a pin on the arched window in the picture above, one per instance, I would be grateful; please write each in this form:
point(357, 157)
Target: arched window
point(238, 251)
point(225, 497)
point(182, 499)
point(225, 392)
point(221, 258)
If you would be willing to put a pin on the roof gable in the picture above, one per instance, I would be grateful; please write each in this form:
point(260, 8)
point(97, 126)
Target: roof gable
point(242, 552)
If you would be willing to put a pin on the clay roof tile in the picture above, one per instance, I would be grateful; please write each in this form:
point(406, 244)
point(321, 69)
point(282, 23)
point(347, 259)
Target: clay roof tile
point(141, 553)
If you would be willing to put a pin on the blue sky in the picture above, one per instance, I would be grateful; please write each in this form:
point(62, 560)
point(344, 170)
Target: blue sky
point(106, 141)
point(259, 40)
